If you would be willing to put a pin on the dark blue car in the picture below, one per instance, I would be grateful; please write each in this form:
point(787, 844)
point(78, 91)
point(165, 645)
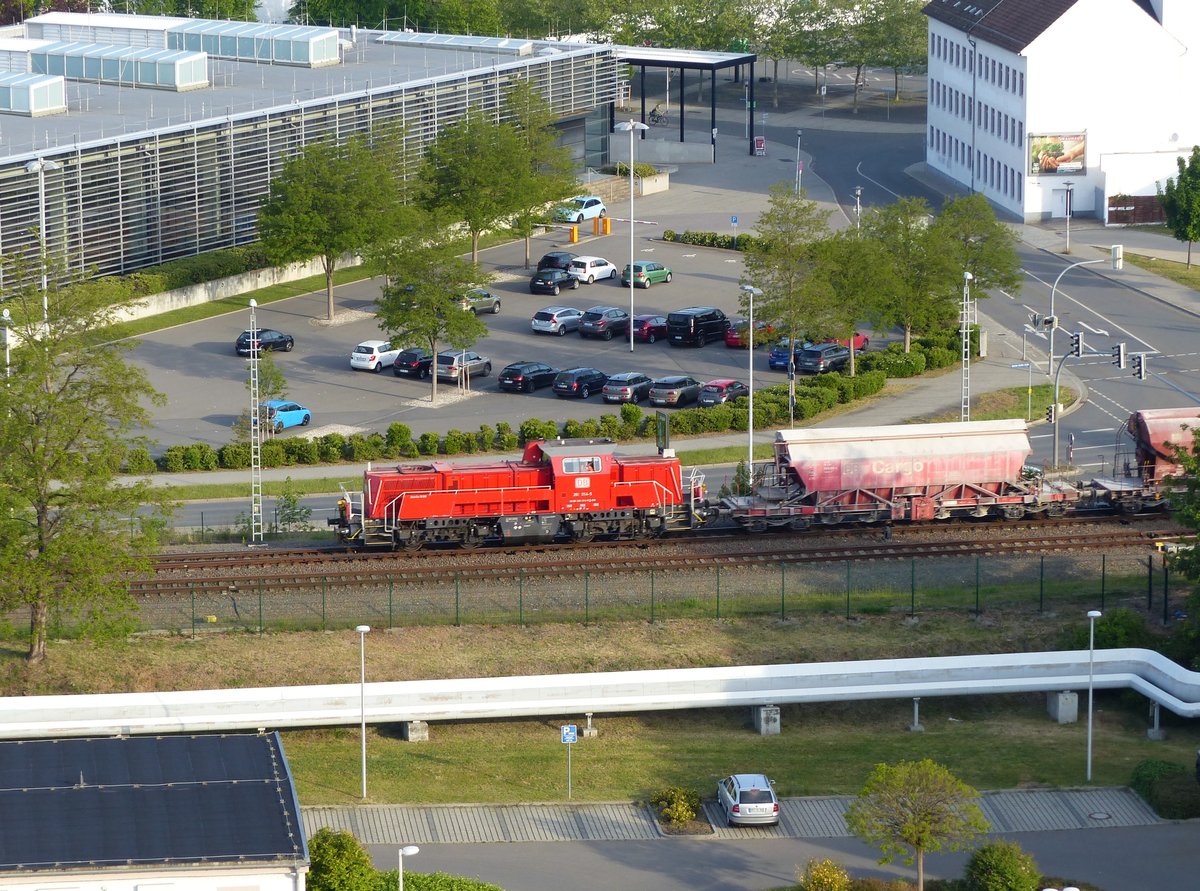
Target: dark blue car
point(777, 359)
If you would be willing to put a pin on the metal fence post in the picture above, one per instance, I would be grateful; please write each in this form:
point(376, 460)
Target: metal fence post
point(978, 610)
point(847, 589)
point(651, 596)
point(912, 586)
point(587, 584)
point(260, 606)
point(1149, 582)
point(324, 600)
point(718, 592)
point(521, 596)
point(1042, 585)
point(1166, 590)
point(457, 602)
point(1103, 578)
point(782, 590)
point(192, 588)
point(391, 601)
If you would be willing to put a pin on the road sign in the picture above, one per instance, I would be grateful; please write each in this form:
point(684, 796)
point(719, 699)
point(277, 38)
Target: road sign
point(569, 734)
point(1019, 365)
point(733, 221)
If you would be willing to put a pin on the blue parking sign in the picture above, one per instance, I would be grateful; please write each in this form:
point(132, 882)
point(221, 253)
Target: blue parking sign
point(733, 221)
point(569, 735)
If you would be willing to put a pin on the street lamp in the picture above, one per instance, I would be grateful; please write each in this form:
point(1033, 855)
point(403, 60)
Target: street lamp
point(798, 169)
point(751, 292)
point(40, 166)
point(1070, 186)
point(858, 207)
point(6, 318)
point(633, 127)
point(406, 851)
point(1093, 615)
point(362, 698)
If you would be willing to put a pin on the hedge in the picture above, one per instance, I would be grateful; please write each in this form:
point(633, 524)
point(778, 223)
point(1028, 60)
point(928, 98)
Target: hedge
point(711, 239)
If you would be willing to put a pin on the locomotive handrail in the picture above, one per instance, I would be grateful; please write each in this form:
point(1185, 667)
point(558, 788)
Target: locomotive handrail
point(1144, 671)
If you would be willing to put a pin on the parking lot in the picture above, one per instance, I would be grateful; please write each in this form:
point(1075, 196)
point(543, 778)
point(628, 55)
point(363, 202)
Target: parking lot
point(204, 380)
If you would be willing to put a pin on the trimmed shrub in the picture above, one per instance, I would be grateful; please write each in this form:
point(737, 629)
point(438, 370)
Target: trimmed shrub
point(273, 454)
point(397, 435)
point(1002, 866)
point(823, 875)
point(590, 428)
point(610, 427)
point(456, 442)
point(172, 459)
point(940, 357)
point(302, 451)
point(200, 456)
point(676, 805)
point(234, 455)
point(368, 447)
point(869, 383)
point(509, 442)
point(485, 439)
point(1147, 773)
point(138, 461)
point(428, 442)
point(332, 448)
point(632, 419)
point(572, 429)
point(895, 363)
point(533, 429)
point(409, 450)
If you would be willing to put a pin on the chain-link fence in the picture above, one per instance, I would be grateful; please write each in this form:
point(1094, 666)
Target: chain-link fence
point(783, 590)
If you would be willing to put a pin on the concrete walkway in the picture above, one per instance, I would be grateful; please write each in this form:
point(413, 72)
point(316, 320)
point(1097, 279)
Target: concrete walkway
point(815, 817)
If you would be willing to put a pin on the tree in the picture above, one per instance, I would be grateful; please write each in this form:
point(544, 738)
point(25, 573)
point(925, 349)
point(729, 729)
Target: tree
point(469, 175)
point(820, 36)
point(924, 292)
point(68, 416)
point(1002, 866)
point(271, 385)
point(422, 302)
point(543, 172)
point(337, 862)
point(779, 261)
point(914, 807)
point(327, 202)
point(907, 29)
point(1180, 199)
point(980, 244)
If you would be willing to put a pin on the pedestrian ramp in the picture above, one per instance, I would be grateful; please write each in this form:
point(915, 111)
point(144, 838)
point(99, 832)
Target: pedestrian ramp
point(1021, 810)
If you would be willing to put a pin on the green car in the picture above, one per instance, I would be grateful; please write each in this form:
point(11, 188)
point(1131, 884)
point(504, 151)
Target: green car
point(645, 274)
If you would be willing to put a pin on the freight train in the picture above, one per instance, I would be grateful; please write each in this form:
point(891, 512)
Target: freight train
point(580, 489)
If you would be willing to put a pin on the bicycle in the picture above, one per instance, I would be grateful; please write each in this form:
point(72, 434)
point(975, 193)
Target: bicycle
point(659, 117)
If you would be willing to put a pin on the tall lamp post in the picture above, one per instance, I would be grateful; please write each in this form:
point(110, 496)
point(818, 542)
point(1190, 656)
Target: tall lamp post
point(633, 127)
point(362, 698)
point(751, 292)
point(858, 207)
point(1093, 615)
point(40, 166)
point(406, 851)
point(1070, 186)
point(799, 133)
point(6, 319)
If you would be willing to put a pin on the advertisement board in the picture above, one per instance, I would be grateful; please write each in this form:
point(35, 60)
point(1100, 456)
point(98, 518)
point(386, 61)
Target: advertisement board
point(1058, 154)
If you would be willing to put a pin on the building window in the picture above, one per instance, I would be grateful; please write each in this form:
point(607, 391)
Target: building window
point(1021, 81)
point(1020, 186)
point(931, 137)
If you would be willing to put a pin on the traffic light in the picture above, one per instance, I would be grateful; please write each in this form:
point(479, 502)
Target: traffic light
point(1077, 343)
point(1052, 413)
point(1139, 366)
point(1119, 358)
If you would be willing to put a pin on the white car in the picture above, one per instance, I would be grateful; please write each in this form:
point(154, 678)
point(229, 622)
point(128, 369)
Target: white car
point(591, 269)
point(374, 355)
point(585, 207)
point(748, 799)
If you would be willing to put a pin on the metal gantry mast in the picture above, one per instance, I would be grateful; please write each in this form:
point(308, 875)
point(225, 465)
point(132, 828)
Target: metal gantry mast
point(256, 510)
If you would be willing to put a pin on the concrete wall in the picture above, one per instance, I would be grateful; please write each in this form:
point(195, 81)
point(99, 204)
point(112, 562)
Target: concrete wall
point(660, 151)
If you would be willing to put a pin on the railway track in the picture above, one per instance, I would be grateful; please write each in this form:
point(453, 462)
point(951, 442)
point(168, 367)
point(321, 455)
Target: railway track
point(324, 569)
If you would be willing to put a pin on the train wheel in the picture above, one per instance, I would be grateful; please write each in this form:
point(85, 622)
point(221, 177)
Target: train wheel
point(585, 534)
point(798, 524)
point(1132, 506)
point(1056, 509)
point(471, 541)
point(413, 543)
point(1013, 512)
point(756, 526)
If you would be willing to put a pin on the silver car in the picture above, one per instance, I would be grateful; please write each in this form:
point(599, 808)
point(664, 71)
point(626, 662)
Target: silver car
point(748, 799)
point(556, 320)
point(452, 363)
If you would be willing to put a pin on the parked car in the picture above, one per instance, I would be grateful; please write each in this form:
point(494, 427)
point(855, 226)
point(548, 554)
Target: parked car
point(591, 269)
point(820, 357)
point(526, 376)
point(738, 335)
point(645, 273)
point(678, 389)
point(722, 390)
point(784, 352)
point(556, 260)
point(748, 799)
point(479, 300)
point(604, 322)
point(556, 320)
point(649, 328)
point(579, 382)
point(279, 414)
point(551, 281)
point(453, 363)
point(585, 207)
point(630, 386)
point(268, 339)
point(374, 355)
point(860, 341)
point(696, 325)
point(413, 362)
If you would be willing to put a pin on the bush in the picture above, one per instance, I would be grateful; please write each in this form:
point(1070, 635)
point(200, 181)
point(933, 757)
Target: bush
point(868, 383)
point(428, 442)
point(534, 429)
point(302, 451)
point(711, 239)
point(895, 363)
point(676, 805)
point(273, 454)
point(1147, 773)
point(1175, 795)
point(332, 448)
point(485, 439)
point(823, 875)
point(200, 456)
point(172, 460)
point(138, 461)
point(368, 447)
point(1002, 866)
point(409, 450)
point(639, 169)
point(398, 435)
point(572, 429)
point(234, 455)
point(632, 419)
point(610, 427)
point(940, 357)
point(456, 442)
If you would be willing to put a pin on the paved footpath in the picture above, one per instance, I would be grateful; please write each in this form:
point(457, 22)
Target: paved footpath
point(815, 817)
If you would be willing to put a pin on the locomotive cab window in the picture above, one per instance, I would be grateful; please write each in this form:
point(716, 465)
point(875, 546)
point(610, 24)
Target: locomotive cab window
point(581, 465)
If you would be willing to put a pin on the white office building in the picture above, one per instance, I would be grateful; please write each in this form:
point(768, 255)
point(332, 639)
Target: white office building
point(1036, 103)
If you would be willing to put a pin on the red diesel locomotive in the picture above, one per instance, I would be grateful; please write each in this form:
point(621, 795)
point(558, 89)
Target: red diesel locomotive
point(579, 489)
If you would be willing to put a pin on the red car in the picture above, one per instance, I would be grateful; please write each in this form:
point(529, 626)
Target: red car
point(860, 342)
point(649, 328)
point(737, 337)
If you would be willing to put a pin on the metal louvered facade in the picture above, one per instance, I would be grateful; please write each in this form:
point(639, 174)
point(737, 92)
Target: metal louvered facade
point(134, 200)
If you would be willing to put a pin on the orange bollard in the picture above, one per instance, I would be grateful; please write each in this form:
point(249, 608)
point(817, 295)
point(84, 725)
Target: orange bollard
point(573, 236)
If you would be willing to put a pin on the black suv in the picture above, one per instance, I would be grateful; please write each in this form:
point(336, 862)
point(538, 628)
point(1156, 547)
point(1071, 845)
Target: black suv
point(268, 339)
point(604, 321)
point(556, 260)
point(821, 357)
point(413, 363)
point(579, 382)
point(696, 326)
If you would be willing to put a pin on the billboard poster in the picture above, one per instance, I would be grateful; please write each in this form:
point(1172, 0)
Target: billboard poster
point(1057, 154)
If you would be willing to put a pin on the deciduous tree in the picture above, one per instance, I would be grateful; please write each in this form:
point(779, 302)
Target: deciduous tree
point(1180, 197)
point(980, 244)
point(70, 413)
point(915, 807)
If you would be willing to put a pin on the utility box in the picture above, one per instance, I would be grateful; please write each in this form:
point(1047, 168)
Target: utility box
point(1063, 707)
point(766, 720)
point(415, 731)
